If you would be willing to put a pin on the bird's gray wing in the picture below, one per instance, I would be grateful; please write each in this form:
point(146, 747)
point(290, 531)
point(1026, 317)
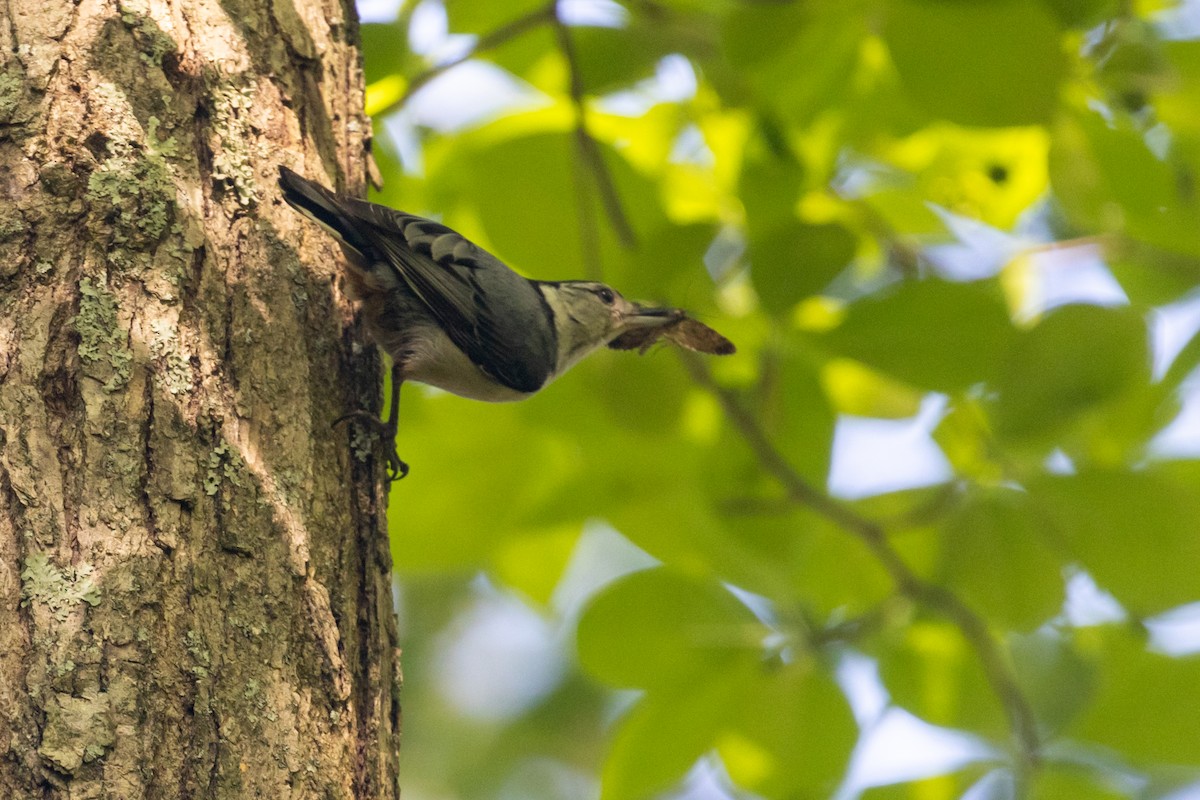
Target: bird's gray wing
point(491, 313)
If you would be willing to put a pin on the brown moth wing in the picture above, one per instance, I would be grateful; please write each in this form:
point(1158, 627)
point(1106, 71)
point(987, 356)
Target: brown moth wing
point(695, 335)
point(685, 332)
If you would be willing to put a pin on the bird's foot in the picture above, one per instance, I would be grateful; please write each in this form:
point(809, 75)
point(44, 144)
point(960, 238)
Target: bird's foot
point(385, 430)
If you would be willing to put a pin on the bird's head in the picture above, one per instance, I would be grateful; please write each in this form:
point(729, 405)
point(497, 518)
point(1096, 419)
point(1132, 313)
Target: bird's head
point(589, 315)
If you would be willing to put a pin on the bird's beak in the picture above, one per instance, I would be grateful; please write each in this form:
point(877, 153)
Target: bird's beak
point(639, 316)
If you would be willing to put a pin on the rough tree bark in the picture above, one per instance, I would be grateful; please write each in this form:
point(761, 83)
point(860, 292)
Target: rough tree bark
point(194, 575)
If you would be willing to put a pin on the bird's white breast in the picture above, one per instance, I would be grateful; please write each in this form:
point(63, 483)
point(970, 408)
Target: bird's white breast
point(436, 360)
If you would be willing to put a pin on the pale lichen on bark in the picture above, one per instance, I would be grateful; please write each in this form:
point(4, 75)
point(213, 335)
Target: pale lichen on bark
point(194, 588)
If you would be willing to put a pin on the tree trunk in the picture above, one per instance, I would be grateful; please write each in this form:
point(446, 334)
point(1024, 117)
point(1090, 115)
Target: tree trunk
point(195, 595)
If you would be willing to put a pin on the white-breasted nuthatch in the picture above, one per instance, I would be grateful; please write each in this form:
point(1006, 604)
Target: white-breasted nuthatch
point(454, 316)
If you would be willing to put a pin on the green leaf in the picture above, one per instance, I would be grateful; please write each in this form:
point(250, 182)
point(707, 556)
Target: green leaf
point(1082, 13)
point(933, 334)
point(790, 259)
point(1174, 100)
point(669, 729)
point(797, 415)
point(800, 557)
point(1151, 276)
point(651, 628)
point(792, 733)
point(642, 393)
point(934, 673)
point(613, 58)
point(527, 55)
point(485, 16)
point(1145, 708)
point(1074, 359)
point(1135, 532)
point(978, 63)
point(796, 57)
point(1058, 681)
point(995, 557)
point(534, 563)
point(1107, 178)
point(543, 234)
point(797, 259)
point(965, 437)
point(390, 55)
point(771, 178)
point(469, 443)
point(668, 267)
point(1080, 782)
point(950, 785)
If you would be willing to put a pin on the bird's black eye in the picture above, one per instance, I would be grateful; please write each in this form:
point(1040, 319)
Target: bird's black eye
point(606, 295)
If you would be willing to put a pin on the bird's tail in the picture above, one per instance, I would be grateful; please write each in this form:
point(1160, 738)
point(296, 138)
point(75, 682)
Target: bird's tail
point(324, 207)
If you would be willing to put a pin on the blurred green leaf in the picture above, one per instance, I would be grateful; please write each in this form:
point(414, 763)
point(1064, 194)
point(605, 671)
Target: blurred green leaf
point(995, 556)
point(1082, 13)
point(965, 437)
point(1133, 66)
point(797, 259)
point(1174, 100)
point(545, 234)
point(1056, 781)
point(529, 57)
point(929, 669)
point(472, 443)
point(388, 45)
point(856, 389)
point(800, 558)
point(1058, 681)
point(614, 58)
point(484, 16)
point(1145, 706)
point(791, 734)
point(1151, 275)
point(798, 57)
point(533, 564)
point(950, 785)
point(668, 267)
point(797, 415)
point(669, 728)
point(641, 392)
point(978, 63)
point(1108, 178)
point(1134, 531)
point(771, 178)
point(1074, 359)
point(651, 628)
point(931, 333)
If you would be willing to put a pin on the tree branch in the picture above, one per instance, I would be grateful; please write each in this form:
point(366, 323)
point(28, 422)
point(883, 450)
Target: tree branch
point(486, 42)
point(588, 148)
point(973, 628)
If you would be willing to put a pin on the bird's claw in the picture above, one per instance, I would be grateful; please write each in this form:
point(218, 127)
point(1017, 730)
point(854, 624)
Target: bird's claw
point(396, 467)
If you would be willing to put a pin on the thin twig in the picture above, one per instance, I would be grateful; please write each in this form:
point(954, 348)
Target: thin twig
point(904, 254)
point(588, 148)
point(973, 628)
point(589, 230)
point(489, 41)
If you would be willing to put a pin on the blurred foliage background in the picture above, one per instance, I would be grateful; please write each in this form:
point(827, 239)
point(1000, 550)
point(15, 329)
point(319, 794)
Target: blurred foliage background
point(934, 531)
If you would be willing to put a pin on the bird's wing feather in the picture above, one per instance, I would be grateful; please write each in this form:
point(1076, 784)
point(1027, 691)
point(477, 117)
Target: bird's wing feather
point(459, 282)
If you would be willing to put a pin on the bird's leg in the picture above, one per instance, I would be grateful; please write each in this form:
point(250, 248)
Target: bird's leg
point(386, 429)
point(397, 469)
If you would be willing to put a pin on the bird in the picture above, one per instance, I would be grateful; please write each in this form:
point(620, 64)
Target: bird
point(452, 315)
